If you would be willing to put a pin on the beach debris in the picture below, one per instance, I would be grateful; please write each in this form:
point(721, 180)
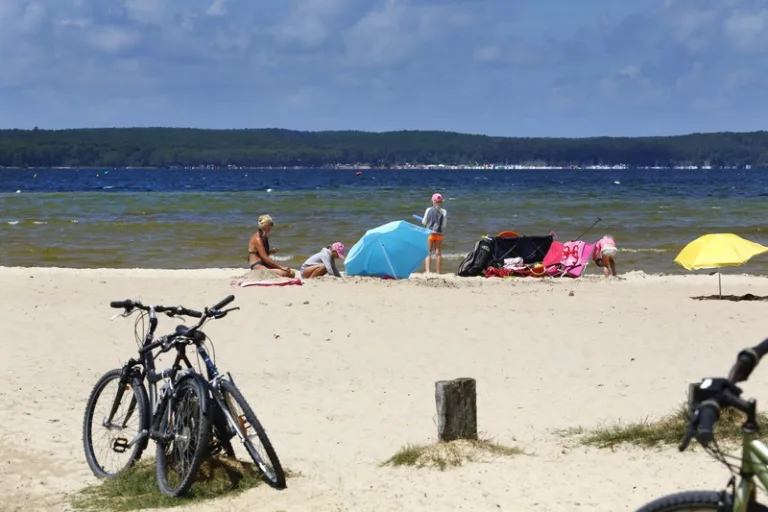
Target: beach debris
point(276, 336)
point(571, 294)
point(306, 302)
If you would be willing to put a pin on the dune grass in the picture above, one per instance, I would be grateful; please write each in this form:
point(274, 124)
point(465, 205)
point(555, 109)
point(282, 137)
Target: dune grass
point(445, 455)
point(137, 488)
point(667, 430)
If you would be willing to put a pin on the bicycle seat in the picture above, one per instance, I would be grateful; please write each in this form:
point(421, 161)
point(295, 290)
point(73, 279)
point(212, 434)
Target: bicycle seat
point(183, 330)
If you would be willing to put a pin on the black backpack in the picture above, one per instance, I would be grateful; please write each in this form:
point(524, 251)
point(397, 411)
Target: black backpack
point(477, 260)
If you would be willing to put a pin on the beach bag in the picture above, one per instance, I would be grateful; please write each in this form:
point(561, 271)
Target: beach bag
point(477, 260)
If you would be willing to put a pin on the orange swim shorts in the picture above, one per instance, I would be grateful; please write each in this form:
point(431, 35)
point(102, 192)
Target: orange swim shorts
point(435, 237)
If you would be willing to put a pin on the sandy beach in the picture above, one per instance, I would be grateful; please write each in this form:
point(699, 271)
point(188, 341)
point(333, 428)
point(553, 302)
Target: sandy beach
point(342, 375)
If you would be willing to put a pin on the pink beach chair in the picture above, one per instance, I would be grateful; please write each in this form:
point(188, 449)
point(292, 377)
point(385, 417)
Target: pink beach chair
point(568, 259)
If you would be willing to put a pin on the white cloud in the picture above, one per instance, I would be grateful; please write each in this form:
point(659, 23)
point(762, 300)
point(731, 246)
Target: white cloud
point(748, 31)
point(217, 8)
point(20, 17)
point(111, 39)
point(487, 53)
point(310, 22)
point(146, 11)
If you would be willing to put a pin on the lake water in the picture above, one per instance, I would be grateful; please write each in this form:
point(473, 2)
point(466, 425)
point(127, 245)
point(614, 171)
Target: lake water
point(203, 218)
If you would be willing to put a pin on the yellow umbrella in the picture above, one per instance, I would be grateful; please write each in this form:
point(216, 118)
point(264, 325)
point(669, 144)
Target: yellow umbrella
point(718, 250)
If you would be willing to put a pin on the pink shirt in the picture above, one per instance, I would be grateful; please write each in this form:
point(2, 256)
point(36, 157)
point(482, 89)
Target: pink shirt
point(604, 242)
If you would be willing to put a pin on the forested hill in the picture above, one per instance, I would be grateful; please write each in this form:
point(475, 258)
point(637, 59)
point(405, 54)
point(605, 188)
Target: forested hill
point(167, 147)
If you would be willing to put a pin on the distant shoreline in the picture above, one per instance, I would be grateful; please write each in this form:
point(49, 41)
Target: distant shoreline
point(361, 168)
point(291, 149)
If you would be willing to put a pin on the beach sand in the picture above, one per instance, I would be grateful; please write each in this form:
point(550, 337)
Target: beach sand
point(342, 375)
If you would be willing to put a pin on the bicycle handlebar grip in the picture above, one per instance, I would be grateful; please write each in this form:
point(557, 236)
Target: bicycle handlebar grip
point(192, 313)
point(121, 303)
point(224, 302)
point(709, 413)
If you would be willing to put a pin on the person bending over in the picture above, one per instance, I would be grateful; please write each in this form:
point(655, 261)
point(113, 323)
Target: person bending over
point(323, 262)
point(605, 255)
point(259, 251)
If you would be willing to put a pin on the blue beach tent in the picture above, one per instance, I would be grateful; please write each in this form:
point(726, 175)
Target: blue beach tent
point(395, 249)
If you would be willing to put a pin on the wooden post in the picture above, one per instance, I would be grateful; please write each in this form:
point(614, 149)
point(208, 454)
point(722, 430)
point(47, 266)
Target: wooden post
point(456, 409)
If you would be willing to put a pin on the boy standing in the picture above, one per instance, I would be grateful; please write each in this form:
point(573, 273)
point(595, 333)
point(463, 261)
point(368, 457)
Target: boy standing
point(434, 220)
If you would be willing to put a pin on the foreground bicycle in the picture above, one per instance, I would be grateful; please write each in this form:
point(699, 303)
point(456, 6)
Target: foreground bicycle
point(710, 397)
point(184, 440)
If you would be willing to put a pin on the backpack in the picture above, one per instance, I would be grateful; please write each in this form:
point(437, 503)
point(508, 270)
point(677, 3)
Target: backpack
point(477, 260)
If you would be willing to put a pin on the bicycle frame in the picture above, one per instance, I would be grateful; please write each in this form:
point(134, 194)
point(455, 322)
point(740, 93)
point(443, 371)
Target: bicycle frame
point(754, 464)
point(149, 372)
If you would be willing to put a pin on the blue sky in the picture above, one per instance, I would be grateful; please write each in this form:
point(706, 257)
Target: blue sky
point(501, 67)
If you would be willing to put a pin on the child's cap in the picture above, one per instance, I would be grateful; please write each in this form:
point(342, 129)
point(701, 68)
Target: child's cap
point(436, 198)
point(339, 248)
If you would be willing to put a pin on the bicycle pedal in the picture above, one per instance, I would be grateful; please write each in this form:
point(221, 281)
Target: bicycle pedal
point(120, 445)
point(214, 448)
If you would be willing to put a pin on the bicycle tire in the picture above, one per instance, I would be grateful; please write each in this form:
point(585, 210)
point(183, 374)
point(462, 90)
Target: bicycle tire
point(142, 405)
point(274, 474)
point(199, 434)
point(689, 501)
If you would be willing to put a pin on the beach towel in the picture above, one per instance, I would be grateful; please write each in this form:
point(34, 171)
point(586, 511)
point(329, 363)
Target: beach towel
point(268, 282)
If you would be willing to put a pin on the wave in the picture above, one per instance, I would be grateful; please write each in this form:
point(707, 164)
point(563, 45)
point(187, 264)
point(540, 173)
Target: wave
point(647, 249)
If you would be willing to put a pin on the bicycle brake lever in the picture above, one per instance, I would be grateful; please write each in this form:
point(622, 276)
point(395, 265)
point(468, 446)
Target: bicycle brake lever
point(124, 314)
point(690, 431)
point(686, 439)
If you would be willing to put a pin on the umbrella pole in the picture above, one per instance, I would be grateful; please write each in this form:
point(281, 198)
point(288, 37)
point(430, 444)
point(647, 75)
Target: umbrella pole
point(386, 257)
point(719, 285)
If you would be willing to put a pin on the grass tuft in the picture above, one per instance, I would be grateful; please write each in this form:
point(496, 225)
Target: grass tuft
point(667, 430)
point(444, 455)
point(137, 488)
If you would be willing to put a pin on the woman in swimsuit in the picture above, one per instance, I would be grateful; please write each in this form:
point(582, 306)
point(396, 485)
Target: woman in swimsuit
point(259, 252)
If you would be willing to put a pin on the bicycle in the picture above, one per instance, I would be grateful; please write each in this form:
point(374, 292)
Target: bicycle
point(219, 423)
point(238, 417)
point(176, 418)
point(709, 398)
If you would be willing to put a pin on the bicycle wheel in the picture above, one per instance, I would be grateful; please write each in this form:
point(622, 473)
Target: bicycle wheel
point(106, 445)
point(187, 431)
point(249, 428)
point(690, 501)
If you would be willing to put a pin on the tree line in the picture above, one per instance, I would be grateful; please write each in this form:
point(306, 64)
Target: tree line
point(170, 147)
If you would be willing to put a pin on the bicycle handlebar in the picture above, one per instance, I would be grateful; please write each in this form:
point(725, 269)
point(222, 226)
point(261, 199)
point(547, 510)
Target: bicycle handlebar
point(711, 396)
point(212, 312)
point(167, 342)
point(130, 305)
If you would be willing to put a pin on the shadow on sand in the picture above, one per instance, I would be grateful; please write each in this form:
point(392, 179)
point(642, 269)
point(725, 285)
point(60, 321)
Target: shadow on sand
point(732, 298)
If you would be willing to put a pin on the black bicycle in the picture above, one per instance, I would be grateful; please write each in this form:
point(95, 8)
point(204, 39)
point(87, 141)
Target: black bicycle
point(226, 416)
